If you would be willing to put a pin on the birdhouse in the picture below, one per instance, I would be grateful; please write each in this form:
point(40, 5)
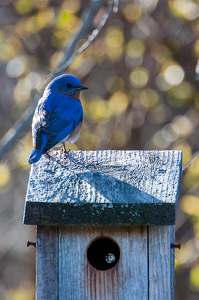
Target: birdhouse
point(105, 224)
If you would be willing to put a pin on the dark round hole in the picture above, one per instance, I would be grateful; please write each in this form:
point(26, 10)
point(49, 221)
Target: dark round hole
point(103, 254)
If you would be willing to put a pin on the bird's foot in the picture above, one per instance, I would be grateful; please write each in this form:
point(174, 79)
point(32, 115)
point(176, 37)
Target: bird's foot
point(48, 152)
point(65, 152)
point(48, 155)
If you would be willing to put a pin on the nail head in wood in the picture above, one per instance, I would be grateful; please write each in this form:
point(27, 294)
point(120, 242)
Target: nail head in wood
point(31, 244)
point(176, 246)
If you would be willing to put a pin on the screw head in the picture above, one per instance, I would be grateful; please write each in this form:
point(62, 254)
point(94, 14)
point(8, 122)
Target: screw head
point(110, 258)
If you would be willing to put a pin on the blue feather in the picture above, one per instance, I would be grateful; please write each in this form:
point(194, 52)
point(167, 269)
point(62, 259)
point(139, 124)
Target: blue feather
point(36, 154)
point(57, 115)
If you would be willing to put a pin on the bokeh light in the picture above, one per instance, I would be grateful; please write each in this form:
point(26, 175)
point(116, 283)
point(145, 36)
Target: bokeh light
point(33, 80)
point(194, 168)
point(139, 77)
point(40, 3)
point(186, 255)
point(114, 42)
point(22, 91)
point(170, 132)
point(23, 6)
point(161, 53)
point(118, 102)
point(184, 91)
point(174, 74)
point(9, 48)
point(135, 48)
point(5, 175)
point(161, 83)
point(196, 47)
point(118, 138)
point(132, 12)
point(99, 110)
point(194, 278)
point(159, 141)
point(16, 67)
point(190, 10)
point(72, 6)
point(185, 9)
point(146, 4)
point(190, 205)
point(67, 21)
point(185, 148)
point(149, 98)
point(183, 125)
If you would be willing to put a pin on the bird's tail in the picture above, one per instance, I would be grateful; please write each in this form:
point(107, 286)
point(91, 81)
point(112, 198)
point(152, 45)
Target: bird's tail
point(36, 154)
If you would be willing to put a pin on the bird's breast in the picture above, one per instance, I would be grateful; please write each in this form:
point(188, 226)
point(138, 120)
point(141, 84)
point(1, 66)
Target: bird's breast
point(75, 96)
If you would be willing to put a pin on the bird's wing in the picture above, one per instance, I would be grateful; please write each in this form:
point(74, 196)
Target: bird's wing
point(41, 120)
point(62, 129)
point(57, 123)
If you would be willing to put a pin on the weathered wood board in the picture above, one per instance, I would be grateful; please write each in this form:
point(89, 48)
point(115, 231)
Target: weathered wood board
point(144, 271)
point(105, 188)
point(47, 263)
point(124, 281)
point(161, 262)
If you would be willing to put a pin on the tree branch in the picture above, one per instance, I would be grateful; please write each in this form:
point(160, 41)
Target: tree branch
point(68, 59)
point(116, 6)
point(189, 163)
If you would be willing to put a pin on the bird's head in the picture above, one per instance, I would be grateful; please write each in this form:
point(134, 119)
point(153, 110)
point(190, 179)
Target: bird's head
point(67, 84)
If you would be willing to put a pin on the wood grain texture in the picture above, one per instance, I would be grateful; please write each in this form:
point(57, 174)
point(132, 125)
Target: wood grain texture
point(114, 188)
point(47, 263)
point(172, 253)
point(144, 271)
point(78, 280)
point(161, 263)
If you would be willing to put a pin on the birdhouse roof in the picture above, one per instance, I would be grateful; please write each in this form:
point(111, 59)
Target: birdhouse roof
point(99, 188)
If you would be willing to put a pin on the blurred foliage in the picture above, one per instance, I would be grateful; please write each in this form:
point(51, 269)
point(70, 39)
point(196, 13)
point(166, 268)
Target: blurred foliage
point(24, 292)
point(142, 91)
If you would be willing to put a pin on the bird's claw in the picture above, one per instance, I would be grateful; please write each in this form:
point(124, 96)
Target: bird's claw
point(48, 155)
point(65, 152)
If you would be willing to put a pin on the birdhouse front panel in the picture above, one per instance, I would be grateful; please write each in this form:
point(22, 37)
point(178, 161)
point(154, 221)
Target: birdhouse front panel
point(105, 263)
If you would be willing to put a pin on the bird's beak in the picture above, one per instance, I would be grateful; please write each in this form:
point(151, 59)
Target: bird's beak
point(80, 88)
point(84, 88)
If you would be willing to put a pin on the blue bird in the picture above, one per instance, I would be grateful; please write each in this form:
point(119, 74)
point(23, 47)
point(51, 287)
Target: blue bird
point(58, 117)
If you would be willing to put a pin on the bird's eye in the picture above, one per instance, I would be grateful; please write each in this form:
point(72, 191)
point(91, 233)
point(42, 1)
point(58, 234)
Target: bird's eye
point(68, 85)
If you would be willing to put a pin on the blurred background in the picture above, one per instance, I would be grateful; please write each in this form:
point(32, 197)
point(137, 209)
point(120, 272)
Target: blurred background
point(143, 95)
